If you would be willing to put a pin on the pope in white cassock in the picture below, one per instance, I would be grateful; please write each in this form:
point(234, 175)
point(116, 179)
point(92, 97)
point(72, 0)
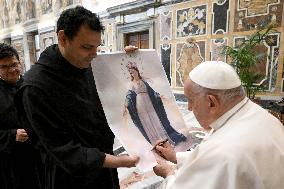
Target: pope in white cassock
point(245, 145)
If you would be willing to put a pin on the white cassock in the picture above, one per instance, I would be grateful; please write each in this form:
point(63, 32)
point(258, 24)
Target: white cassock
point(245, 151)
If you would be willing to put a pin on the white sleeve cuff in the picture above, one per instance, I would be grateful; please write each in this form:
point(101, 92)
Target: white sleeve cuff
point(181, 157)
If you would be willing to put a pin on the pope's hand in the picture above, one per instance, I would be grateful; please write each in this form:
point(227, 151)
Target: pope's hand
point(164, 169)
point(166, 151)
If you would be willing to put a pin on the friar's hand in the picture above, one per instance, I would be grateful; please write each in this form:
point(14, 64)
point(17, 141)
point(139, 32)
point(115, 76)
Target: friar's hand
point(124, 160)
point(130, 49)
point(127, 160)
point(21, 135)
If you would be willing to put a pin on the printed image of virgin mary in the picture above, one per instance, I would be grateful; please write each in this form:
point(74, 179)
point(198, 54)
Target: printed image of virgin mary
point(147, 111)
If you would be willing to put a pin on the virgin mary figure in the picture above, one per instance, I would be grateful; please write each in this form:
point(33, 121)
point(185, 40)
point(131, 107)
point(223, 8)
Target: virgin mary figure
point(147, 111)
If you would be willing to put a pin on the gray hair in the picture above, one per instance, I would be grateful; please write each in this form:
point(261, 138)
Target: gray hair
point(225, 96)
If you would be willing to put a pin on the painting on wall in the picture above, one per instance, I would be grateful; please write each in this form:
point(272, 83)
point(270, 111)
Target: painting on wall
point(268, 65)
point(254, 14)
point(46, 6)
point(220, 17)
point(216, 49)
point(30, 9)
point(18, 45)
point(165, 25)
point(61, 4)
point(273, 44)
point(32, 48)
point(191, 21)
point(282, 80)
point(166, 52)
point(189, 55)
point(18, 12)
point(5, 13)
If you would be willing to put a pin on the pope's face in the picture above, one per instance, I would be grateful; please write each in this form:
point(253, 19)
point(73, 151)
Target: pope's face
point(10, 69)
point(82, 48)
point(198, 104)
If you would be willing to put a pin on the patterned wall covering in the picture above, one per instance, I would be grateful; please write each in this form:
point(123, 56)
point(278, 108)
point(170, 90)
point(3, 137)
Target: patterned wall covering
point(61, 4)
point(273, 43)
point(31, 9)
point(32, 48)
point(268, 66)
point(16, 11)
point(46, 6)
point(166, 25)
point(166, 50)
point(189, 54)
point(282, 80)
point(185, 32)
point(254, 13)
point(191, 21)
point(216, 47)
point(215, 23)
point(19, 11)
point(18, 45)
point(179, 1)
point(220, 16)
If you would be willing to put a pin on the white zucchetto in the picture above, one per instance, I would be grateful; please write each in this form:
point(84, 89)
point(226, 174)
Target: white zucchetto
point(215, 75)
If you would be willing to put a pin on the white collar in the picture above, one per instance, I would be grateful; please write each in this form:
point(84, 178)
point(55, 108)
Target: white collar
point(226, 116)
